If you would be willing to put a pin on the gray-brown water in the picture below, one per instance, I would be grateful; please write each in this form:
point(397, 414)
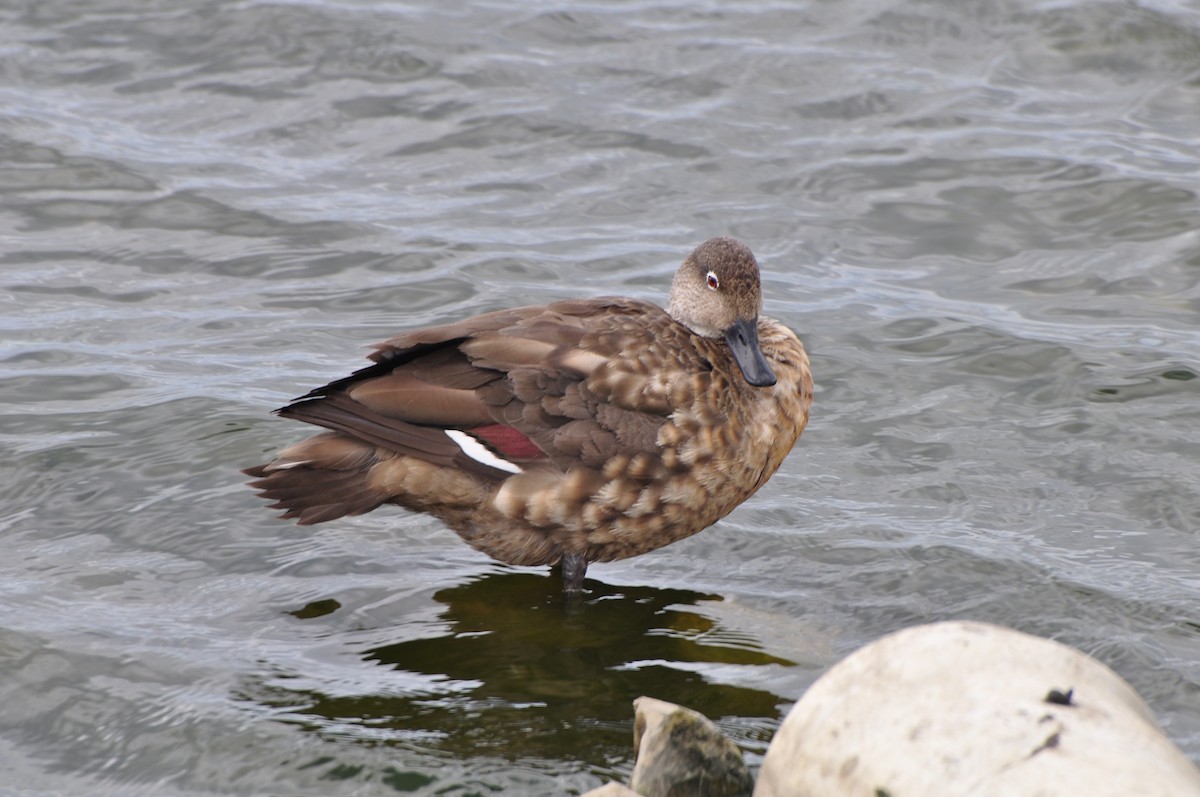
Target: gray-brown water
point(981, 218)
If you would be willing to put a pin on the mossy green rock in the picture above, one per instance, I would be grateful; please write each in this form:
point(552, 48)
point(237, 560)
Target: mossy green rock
point(681, 753)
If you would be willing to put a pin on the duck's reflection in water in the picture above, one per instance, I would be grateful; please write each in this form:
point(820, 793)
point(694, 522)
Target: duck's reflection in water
point(525, 678)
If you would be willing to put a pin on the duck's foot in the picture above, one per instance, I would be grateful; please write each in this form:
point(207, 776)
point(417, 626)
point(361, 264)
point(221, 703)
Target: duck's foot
point(574, 568)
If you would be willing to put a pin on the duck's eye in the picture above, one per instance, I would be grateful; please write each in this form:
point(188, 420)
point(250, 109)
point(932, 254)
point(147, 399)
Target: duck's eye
point(713, 282)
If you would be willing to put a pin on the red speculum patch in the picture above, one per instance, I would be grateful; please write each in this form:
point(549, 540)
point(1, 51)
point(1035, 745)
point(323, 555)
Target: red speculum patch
point(507, 441)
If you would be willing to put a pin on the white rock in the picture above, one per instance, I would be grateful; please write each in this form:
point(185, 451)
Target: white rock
point(612, 790)
point(963, 708)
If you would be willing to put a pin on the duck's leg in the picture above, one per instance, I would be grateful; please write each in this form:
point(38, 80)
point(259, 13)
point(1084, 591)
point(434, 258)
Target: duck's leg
point(574, 568)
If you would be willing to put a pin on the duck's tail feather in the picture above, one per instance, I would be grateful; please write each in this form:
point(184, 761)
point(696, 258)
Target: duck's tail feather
point(321, 478)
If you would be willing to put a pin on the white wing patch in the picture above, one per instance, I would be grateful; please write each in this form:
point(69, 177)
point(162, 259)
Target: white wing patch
point(479, 452)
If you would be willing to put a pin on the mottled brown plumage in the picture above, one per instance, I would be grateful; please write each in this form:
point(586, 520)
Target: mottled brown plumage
point(581, 431)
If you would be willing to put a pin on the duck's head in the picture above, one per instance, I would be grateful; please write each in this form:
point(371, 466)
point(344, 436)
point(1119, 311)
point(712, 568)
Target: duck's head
point(717, 294)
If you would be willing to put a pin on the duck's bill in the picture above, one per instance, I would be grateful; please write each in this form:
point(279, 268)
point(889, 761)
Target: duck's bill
point(742, 338)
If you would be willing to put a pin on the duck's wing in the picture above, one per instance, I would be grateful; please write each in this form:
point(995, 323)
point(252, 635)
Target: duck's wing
point(558, 386)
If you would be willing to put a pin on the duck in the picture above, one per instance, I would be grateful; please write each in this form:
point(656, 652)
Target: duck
point(585, 430)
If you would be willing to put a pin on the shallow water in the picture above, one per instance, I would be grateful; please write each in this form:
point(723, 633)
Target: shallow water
point(982, 220)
